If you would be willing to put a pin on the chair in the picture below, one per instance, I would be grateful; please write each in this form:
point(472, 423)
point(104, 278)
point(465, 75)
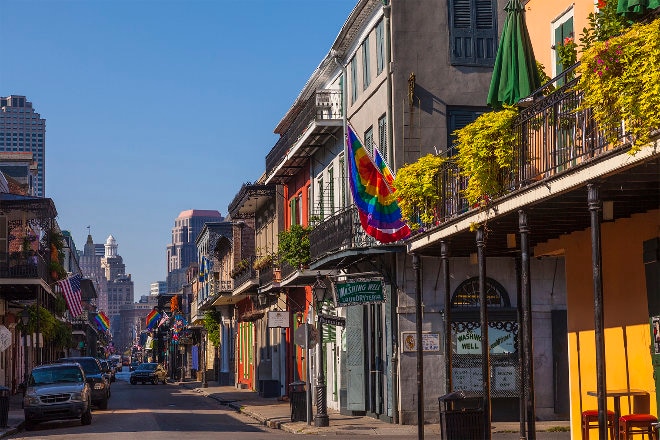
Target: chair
point(590, 421)
point(635, 424)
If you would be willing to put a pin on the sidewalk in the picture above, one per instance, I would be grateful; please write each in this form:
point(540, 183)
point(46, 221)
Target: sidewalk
point(15, 417)
point(276, 414)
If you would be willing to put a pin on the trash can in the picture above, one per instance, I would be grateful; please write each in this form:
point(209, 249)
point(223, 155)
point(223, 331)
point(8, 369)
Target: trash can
point(298, 400)
point(4, 406)
point(461, 416)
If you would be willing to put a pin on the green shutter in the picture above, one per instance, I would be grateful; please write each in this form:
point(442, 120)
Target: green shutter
point(472, 32)
point(380, 48)
point(355, 396)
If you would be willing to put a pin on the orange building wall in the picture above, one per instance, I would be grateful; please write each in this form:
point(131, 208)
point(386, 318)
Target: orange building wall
point(539, 15)
point(627, 332)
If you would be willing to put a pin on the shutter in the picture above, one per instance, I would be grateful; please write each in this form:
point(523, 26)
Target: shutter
point(380, 48)
point(355, 397)
point(565, 30)
point(472, 32)
point(458, 119)
point(366, 73)
point(4, 256)
point(353, 80)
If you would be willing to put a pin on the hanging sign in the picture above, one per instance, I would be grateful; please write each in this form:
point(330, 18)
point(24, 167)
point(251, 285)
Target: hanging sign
point(365, 291)
point(332, 320)
point(279, 319)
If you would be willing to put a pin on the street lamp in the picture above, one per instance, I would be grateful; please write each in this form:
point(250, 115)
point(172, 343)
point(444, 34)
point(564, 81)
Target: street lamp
point(318, 290)
point(25, 320)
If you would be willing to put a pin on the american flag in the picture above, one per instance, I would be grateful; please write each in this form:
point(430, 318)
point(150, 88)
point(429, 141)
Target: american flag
point(71, 289)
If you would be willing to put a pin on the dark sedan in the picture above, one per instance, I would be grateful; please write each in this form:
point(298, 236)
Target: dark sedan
point(149, 372)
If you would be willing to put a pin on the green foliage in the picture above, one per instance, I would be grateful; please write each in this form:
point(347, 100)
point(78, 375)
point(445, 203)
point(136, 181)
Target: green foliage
point(60, 305)
point(293, 245)
point(52, 329)
point(485, 153)
point(62, 335)
point(603, 25)
point(567, 52)
point(418, 191)
point(240, 267)
point(621, 82)
point(212, 325)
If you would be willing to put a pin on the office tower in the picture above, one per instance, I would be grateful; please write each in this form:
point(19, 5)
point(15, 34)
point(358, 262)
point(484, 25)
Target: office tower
point(22, 129)
point(90, 265)
point(118, 285)
point(183, 251)
point(158, 287)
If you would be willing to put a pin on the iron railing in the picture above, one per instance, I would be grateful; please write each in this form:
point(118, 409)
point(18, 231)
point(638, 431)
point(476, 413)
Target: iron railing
point(245, 274)
point(21, 265)
point(339, 231)
point(322, 105)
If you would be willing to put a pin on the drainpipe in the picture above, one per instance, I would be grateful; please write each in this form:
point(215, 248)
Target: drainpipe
point(387, 10)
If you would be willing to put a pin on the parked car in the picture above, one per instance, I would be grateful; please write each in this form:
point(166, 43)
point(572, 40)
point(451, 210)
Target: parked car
point(149, 372)
point(108, 370)
point(57, 392)
point(133, 366)
point(98, 382)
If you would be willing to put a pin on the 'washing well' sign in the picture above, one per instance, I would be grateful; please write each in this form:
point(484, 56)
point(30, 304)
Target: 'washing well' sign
point(359, 292)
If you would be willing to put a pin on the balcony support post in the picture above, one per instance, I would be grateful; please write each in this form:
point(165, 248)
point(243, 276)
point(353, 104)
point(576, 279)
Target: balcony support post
point(527, 345)
point(485, 346)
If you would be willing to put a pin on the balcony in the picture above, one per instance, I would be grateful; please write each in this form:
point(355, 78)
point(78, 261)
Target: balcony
point(317, 119)
point(559, 150)
point(21, 265)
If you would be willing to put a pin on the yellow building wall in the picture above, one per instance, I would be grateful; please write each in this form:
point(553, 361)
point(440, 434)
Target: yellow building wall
point(539, 16)
point(627, 331)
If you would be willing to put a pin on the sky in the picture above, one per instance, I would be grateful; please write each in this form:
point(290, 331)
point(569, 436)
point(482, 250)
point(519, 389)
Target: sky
point(154, 107)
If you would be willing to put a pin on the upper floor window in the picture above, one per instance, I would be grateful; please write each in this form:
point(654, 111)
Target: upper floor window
point(321, 199)
point(472, 32)
point(354, 90)
point(380, 47)
point(366, 71)
point(331, 188)
point(342, 180)
point(382, 137)
point(562, 28)
point(459, 117)
point(369, 140)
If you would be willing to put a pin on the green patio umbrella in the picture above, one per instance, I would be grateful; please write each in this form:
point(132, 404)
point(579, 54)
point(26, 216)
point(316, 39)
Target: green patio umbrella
point(514, 75)
point(632, 8)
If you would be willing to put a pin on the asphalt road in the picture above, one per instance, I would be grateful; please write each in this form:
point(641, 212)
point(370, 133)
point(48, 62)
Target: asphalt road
point(156, 412)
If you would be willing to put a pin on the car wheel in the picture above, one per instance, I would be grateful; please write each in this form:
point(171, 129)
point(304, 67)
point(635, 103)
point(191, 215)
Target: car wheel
point(133, 381)
point(154, 381)
point(103, 404)
point(86, 418)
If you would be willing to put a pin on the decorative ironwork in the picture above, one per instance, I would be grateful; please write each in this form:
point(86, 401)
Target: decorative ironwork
point(322, 105)
point(339, 232)
point(247, 191)
point(467, 294)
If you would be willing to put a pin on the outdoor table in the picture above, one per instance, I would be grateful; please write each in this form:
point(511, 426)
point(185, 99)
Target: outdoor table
point(616, 395)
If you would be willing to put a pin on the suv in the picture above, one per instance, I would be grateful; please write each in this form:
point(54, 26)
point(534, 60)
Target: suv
point(98, 382)
point(57, 392)
point(149, 372)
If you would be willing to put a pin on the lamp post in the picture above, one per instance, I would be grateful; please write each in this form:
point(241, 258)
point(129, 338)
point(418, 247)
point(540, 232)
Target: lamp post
point(25, 320)
point(321, 419)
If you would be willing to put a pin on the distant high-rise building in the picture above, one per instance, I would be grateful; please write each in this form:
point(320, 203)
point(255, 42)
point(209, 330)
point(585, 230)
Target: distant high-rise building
point(158, 287)
point(90, 265)
point(22, 129)
point(182, 251)
point(21, 169)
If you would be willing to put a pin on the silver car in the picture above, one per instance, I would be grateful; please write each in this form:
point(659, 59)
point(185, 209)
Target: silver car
point(57, 392)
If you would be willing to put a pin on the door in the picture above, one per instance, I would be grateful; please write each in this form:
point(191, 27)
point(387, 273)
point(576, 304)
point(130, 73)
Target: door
point(651, 249)
point(246, 354)
point(355, 367)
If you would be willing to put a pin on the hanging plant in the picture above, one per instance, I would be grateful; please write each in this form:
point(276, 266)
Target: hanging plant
point(418, 190)
point(621, 83)
point(212, 325)
point(62, 337)
point(486, 154)
point(263, 262)
point(293, 246)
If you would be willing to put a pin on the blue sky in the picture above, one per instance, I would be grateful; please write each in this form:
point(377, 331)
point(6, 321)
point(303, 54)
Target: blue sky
point(155, 107)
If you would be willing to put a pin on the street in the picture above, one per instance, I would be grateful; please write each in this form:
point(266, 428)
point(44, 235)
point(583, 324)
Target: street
point(156, 412)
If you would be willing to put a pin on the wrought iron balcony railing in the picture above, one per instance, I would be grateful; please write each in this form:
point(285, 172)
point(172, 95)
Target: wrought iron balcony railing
point(322, 105)
point(246, 273)
point(339, 231)
point(20, 265)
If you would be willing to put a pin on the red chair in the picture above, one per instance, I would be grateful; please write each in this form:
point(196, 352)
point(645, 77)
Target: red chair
point(635, 424)
point(590, 421)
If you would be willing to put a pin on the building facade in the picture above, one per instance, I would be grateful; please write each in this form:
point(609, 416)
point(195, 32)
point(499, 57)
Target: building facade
point(118, 286)
point(181, 252)
point(22, 129)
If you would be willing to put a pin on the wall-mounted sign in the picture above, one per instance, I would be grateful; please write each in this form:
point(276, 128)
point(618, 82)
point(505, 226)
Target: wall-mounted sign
point(469, 341)
point(365, 291)
point(505, 378)
point(467, 379)
point(430, 341)
point(279, 319)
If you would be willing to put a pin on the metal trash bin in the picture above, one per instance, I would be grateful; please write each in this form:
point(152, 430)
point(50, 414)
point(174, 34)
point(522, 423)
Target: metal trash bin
point(298, 400)
point(461, 417)
point(4, 406)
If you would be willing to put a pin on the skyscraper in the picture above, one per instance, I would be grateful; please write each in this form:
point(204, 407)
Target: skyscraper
point(22, 129)
point(182, 251)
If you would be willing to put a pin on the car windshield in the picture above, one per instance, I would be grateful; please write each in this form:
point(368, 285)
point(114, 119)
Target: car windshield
point(90, 366)
point(63, 374)
point(147, 367)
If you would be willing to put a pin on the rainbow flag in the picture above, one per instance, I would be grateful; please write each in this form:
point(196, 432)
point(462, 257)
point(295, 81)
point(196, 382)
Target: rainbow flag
point(152, 319)
point(384, 169)
point(102, 321)
point(380, 214)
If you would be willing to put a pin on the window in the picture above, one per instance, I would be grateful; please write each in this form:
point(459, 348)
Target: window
point(320, 197)
point(369, 140)
point(342, 181)
point(562, 28)
point(380, 47)
point(331, 188)
point(459, 117)
point(353, 81)
point(366, 72)
point(382, 138)
point(472, 32)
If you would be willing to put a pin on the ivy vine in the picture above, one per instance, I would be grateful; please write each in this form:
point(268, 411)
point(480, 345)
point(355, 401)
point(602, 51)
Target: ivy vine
point(418, 190)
